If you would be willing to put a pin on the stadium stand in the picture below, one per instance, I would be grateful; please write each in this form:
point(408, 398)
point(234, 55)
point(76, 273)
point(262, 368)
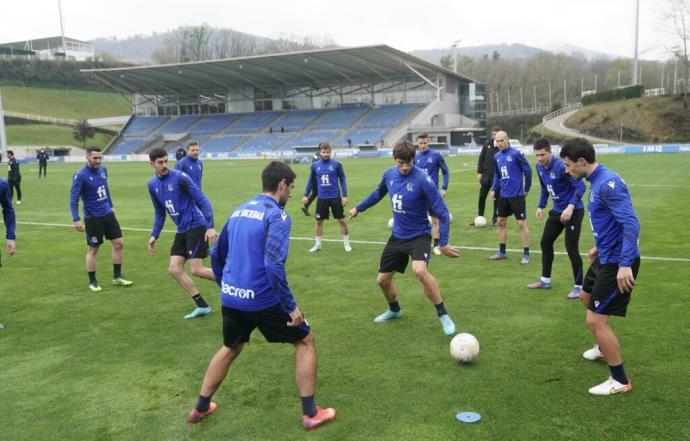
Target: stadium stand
point(312, 138)
point(128, 145)
point(223, 143)
point(265, 142)
point(295, 120)
point(143, 126)
point(387, 116)
point(209, 124)
point(340, 118)
point(179, 124)
point(252, 122)
point(360, 137)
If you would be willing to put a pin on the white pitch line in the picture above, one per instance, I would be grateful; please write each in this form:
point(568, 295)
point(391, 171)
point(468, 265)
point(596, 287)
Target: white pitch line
point(367, 242)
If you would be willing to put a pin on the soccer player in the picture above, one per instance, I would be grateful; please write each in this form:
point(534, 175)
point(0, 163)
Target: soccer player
point(330, 182)
point(305, 206)
point(42, 157)
point(9, 220)
point(413, 195)
point(191, 164)
point(174, 192)
point(431, 162)
point(14, 177)
point(615, 258)
point(90, 184)
point(249, 265)
point(511, 166)
point(485, 174)
point(567, 213)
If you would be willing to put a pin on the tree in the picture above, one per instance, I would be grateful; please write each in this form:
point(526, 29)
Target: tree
point(82, 131)
point(678, 14)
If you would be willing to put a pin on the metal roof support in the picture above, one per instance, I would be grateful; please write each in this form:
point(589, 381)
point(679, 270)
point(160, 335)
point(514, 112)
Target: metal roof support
point(227, 70)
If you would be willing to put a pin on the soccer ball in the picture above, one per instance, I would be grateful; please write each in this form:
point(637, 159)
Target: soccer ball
point(480, 221)
point(390, 223)
point(464, 348)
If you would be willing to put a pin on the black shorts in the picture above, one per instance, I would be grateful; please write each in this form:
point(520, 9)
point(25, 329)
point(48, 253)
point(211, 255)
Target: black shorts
point(97, 227)
point(335, 205)
point(601, 283)
point(272, 323)
point(190, 244)
point(398, 252)
point(515, 206)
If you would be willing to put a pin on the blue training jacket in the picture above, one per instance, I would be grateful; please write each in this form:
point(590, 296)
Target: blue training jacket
point(329, 177)
point(614, 223)
point(91, 184)
point(193, 167)
point(511, 165)
point(431, 162)
point(7, 210)
point(563, 188)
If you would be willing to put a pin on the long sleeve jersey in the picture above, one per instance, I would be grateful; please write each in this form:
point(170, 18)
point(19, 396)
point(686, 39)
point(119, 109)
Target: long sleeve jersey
point(193, 167)
point(248, 259)
point(432, 161)
point(563, 188)
point(176, 194)
point(91, 185)
point(13, 173)
point(7, 210)
point(511, 165)
point(413, 197)
point(329, 177)
point(612, 217)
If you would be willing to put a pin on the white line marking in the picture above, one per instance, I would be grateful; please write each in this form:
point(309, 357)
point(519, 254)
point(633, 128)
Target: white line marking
point(367, 242)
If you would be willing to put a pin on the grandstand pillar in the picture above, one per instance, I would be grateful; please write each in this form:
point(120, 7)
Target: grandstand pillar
point(3, 135)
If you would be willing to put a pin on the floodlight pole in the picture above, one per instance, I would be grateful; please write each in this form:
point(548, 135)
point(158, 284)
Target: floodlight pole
point(62, 31)
point(3, 135)
point(455, 46)
point(637, 35)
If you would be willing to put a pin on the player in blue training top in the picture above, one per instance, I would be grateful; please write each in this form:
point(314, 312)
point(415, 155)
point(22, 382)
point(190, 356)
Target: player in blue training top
point(249, 264)
point(191, 164)
point(90, 184)
point(511, 166)
point(413, 196)
point(10, 223)
point(332, 194)
point(567, 213)
point(174, 192)
point(615, 258)
point(431, 162)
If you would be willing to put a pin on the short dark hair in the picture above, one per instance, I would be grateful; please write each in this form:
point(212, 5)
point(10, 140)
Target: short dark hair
point(275, 172)
point(423, 135)
point(156, 153)
point(577, 148)
point(191, 143)
point(10, 152)
point(542, 144)
point(496, 129)
point(404, 150)
point(90, 150)
point(324, 146)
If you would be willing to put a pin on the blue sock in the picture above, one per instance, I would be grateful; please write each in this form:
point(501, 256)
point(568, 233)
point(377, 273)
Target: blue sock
point(203, 403)
point(618, 374)
point(395, 306)
point(502, 248)
point(308, 405)
point(440, 309)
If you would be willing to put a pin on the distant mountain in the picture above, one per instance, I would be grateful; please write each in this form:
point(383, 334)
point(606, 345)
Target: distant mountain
point(506, 51)
point(569, 49)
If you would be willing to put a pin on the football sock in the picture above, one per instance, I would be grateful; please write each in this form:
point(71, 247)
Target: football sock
point(525, 251)
point(308, 405)
point(436, 242)
point(92, 278)
point(318, 240)
point(395, 306)
point(346, 240)
point(117, 270)
point(502, 248)
point(618, 374)
point(546, 279)
point(203, 403)
point(440, 309)
point(199, 301)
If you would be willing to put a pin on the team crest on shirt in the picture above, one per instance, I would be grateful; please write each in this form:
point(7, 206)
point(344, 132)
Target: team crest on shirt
point(330, 167)
point(430, 160)
point(283, 215)
point(170, 187)
point(509, 159)
point(409, 186)
point(552, 175)
point(611, 184)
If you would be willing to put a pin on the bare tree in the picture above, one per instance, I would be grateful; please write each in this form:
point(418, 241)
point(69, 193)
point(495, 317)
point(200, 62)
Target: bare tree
point(678, 14)
point(82, 131)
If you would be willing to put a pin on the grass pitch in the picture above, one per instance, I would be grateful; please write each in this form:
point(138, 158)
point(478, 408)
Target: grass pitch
point(122, 364)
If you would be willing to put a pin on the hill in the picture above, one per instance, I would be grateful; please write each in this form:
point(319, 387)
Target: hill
point(644, 120)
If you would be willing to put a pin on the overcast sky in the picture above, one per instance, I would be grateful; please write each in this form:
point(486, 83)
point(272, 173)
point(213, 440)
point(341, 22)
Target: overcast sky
point(601, 25)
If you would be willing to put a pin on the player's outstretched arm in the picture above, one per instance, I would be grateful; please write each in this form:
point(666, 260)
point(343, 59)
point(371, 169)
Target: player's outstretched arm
point(448, 250)
point(11, 247)
point(352, 213)
point(152, 245)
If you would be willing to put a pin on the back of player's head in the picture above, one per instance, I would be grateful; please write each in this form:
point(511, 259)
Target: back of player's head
point(496, 129)
point(423, 135)
point(90, 150)
point(324, 146)
point(404, 150)
point(577, 148)
point(275, 172)
point(156, 153)
point(192, 143)
point(542, 144)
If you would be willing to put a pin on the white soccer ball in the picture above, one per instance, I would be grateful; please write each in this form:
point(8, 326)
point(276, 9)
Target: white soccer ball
point(464, 347)
point(480, 221)
point(390, 223)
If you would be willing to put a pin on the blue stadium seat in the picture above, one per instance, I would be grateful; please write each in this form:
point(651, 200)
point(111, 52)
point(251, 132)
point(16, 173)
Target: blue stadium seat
point(143, 125)
point(179, 124)
point(212, 124)
point(252, 122)
point(265, 142)
point(223, 143)
point(387, 116)
point(340, 118)
point(312, 138)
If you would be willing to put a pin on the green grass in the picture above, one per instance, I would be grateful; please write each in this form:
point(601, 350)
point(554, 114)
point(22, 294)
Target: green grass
point(49, 135)
point(122, 364)
point(63, 103)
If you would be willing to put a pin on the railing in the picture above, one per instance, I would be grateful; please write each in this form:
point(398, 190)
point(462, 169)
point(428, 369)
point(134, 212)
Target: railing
point(41, 118)
point(561, 111)
point(524, 111)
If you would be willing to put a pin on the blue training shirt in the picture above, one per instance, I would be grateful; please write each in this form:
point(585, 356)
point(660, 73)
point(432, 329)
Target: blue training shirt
point(511, 165)
point(329, 177)
point(193, 167)
point(413, 197)
point(8, 216)
point(91, 184)
point(563, 188)
point(431, 162)
point(177, 194)
point(614, 223)
point(248, 259)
